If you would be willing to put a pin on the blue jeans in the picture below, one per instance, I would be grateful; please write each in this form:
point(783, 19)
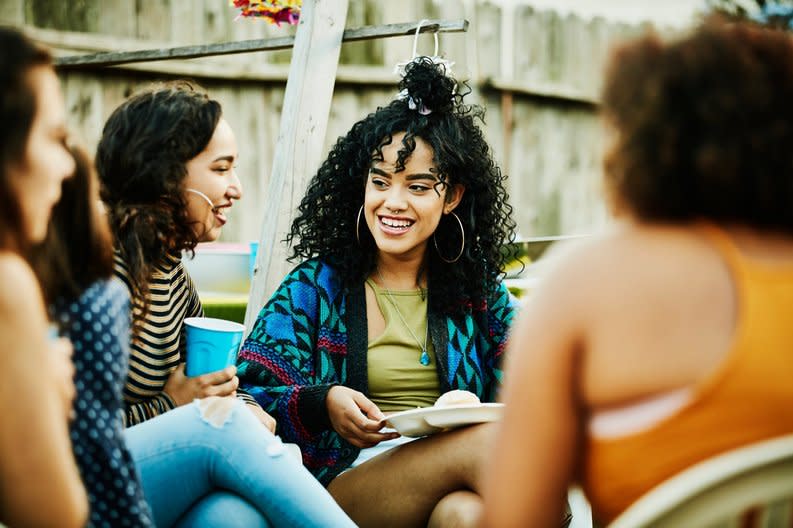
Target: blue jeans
point(222, 508)
point(194, 469)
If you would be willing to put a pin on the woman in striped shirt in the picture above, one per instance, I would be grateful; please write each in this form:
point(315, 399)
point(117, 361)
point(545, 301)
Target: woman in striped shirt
point(166, 162)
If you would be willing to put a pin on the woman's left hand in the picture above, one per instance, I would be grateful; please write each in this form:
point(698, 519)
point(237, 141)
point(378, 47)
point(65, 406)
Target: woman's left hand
point(267, 420)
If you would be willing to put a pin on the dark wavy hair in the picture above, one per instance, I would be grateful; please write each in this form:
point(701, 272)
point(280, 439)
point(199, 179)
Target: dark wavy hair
point(325, 226)
point(18, 55)
point(704, 126)
point(78, 250)
point(141, 158)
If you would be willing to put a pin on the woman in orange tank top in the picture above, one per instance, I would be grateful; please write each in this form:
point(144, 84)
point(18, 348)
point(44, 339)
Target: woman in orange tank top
point(666, 339)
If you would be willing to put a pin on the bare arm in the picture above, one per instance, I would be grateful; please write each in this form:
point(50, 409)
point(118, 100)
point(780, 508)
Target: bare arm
point(39, 479)
point(533, 459)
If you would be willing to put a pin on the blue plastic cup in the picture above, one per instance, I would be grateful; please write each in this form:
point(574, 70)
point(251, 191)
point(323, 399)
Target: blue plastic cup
point(212, 344)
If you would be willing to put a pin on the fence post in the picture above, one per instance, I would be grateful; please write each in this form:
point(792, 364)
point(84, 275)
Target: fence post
point(304, 120)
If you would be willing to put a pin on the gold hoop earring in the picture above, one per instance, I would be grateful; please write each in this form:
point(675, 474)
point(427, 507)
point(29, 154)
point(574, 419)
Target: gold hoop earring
point(462, 239)
point(357, 223)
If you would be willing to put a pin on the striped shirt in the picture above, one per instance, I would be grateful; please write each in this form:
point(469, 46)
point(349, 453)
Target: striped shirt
point(157, 347)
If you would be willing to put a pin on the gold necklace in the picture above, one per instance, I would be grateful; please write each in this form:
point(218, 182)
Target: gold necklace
point(424, 358)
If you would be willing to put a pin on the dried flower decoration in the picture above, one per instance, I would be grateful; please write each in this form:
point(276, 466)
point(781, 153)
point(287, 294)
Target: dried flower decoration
point(273, 11)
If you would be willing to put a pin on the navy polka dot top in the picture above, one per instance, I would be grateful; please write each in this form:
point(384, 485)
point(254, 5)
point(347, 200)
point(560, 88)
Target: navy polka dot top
point(98, 326)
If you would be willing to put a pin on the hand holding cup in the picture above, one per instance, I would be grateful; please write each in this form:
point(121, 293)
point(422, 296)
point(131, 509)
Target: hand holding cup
point(212, 346)
point(184, 389)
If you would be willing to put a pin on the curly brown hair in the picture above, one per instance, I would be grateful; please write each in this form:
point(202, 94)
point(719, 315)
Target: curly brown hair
point(704, 126)
point(141, 159)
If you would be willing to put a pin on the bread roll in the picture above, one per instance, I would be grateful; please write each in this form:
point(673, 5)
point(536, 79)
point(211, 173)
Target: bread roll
point(456, 397)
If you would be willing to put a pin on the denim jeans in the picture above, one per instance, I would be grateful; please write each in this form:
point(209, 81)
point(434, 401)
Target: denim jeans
point(222, 509)
point(197, 465)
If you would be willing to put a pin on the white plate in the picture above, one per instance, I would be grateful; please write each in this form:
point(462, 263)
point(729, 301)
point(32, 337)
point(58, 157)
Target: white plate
point(459, 415)
point(428, 420)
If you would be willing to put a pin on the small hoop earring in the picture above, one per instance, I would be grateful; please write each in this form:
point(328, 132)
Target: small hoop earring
point(462, 238)
point(357, 223)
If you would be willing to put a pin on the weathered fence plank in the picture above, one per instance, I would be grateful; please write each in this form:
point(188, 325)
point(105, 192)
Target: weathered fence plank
point(247, 46)
point(540, 86)
point(304, 120)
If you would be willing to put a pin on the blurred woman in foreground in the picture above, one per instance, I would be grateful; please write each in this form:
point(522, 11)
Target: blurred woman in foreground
point(37, 468)
point(667, 339)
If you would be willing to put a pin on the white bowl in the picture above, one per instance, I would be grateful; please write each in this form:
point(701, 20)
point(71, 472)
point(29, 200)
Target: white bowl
point(220, 268)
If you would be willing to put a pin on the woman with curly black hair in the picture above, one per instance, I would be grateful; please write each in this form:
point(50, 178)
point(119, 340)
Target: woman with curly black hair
point(398, 300)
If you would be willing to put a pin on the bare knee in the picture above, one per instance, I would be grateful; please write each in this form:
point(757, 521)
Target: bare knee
point(459, 509)
point(471, 449)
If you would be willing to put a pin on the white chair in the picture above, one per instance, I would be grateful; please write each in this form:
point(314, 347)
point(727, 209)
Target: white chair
point(579, 508)
point(721, 491)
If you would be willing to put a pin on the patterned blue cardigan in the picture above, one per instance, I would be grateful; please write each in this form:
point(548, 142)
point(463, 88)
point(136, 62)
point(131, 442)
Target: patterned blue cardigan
point(312, 334)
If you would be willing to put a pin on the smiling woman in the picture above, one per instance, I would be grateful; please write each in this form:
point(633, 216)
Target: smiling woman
point(406, 201)
point(166, 162)
point(398, 299)
point(211, 177)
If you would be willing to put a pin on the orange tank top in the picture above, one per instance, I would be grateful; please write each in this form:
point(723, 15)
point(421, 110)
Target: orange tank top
point(747, 399)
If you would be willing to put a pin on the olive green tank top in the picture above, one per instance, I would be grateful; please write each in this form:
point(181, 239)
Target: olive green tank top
point(397, 379)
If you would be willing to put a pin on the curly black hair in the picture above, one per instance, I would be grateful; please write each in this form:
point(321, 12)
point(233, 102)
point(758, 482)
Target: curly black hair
point(704, 126)
point(141, 159)
point(431, 108)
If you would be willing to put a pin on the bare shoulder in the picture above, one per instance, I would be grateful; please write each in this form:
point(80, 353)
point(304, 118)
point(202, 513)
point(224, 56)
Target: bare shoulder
point(18, 283)
point(22, 310)
point(23, 318)
point(627, 267)
point(622, 253)
point(648, 299)
point(571, 266)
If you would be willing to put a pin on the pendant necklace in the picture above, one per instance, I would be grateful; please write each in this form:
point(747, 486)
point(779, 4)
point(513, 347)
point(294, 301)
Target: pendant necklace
point(424, 359)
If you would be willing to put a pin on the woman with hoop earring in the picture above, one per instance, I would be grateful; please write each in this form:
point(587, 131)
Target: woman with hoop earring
point(396, 300)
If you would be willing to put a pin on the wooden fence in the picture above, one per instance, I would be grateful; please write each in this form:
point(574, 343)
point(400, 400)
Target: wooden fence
point(538, 74)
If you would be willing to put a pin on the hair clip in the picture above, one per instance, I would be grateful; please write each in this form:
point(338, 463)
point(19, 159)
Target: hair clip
point(273, 11)
point(414, 104)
